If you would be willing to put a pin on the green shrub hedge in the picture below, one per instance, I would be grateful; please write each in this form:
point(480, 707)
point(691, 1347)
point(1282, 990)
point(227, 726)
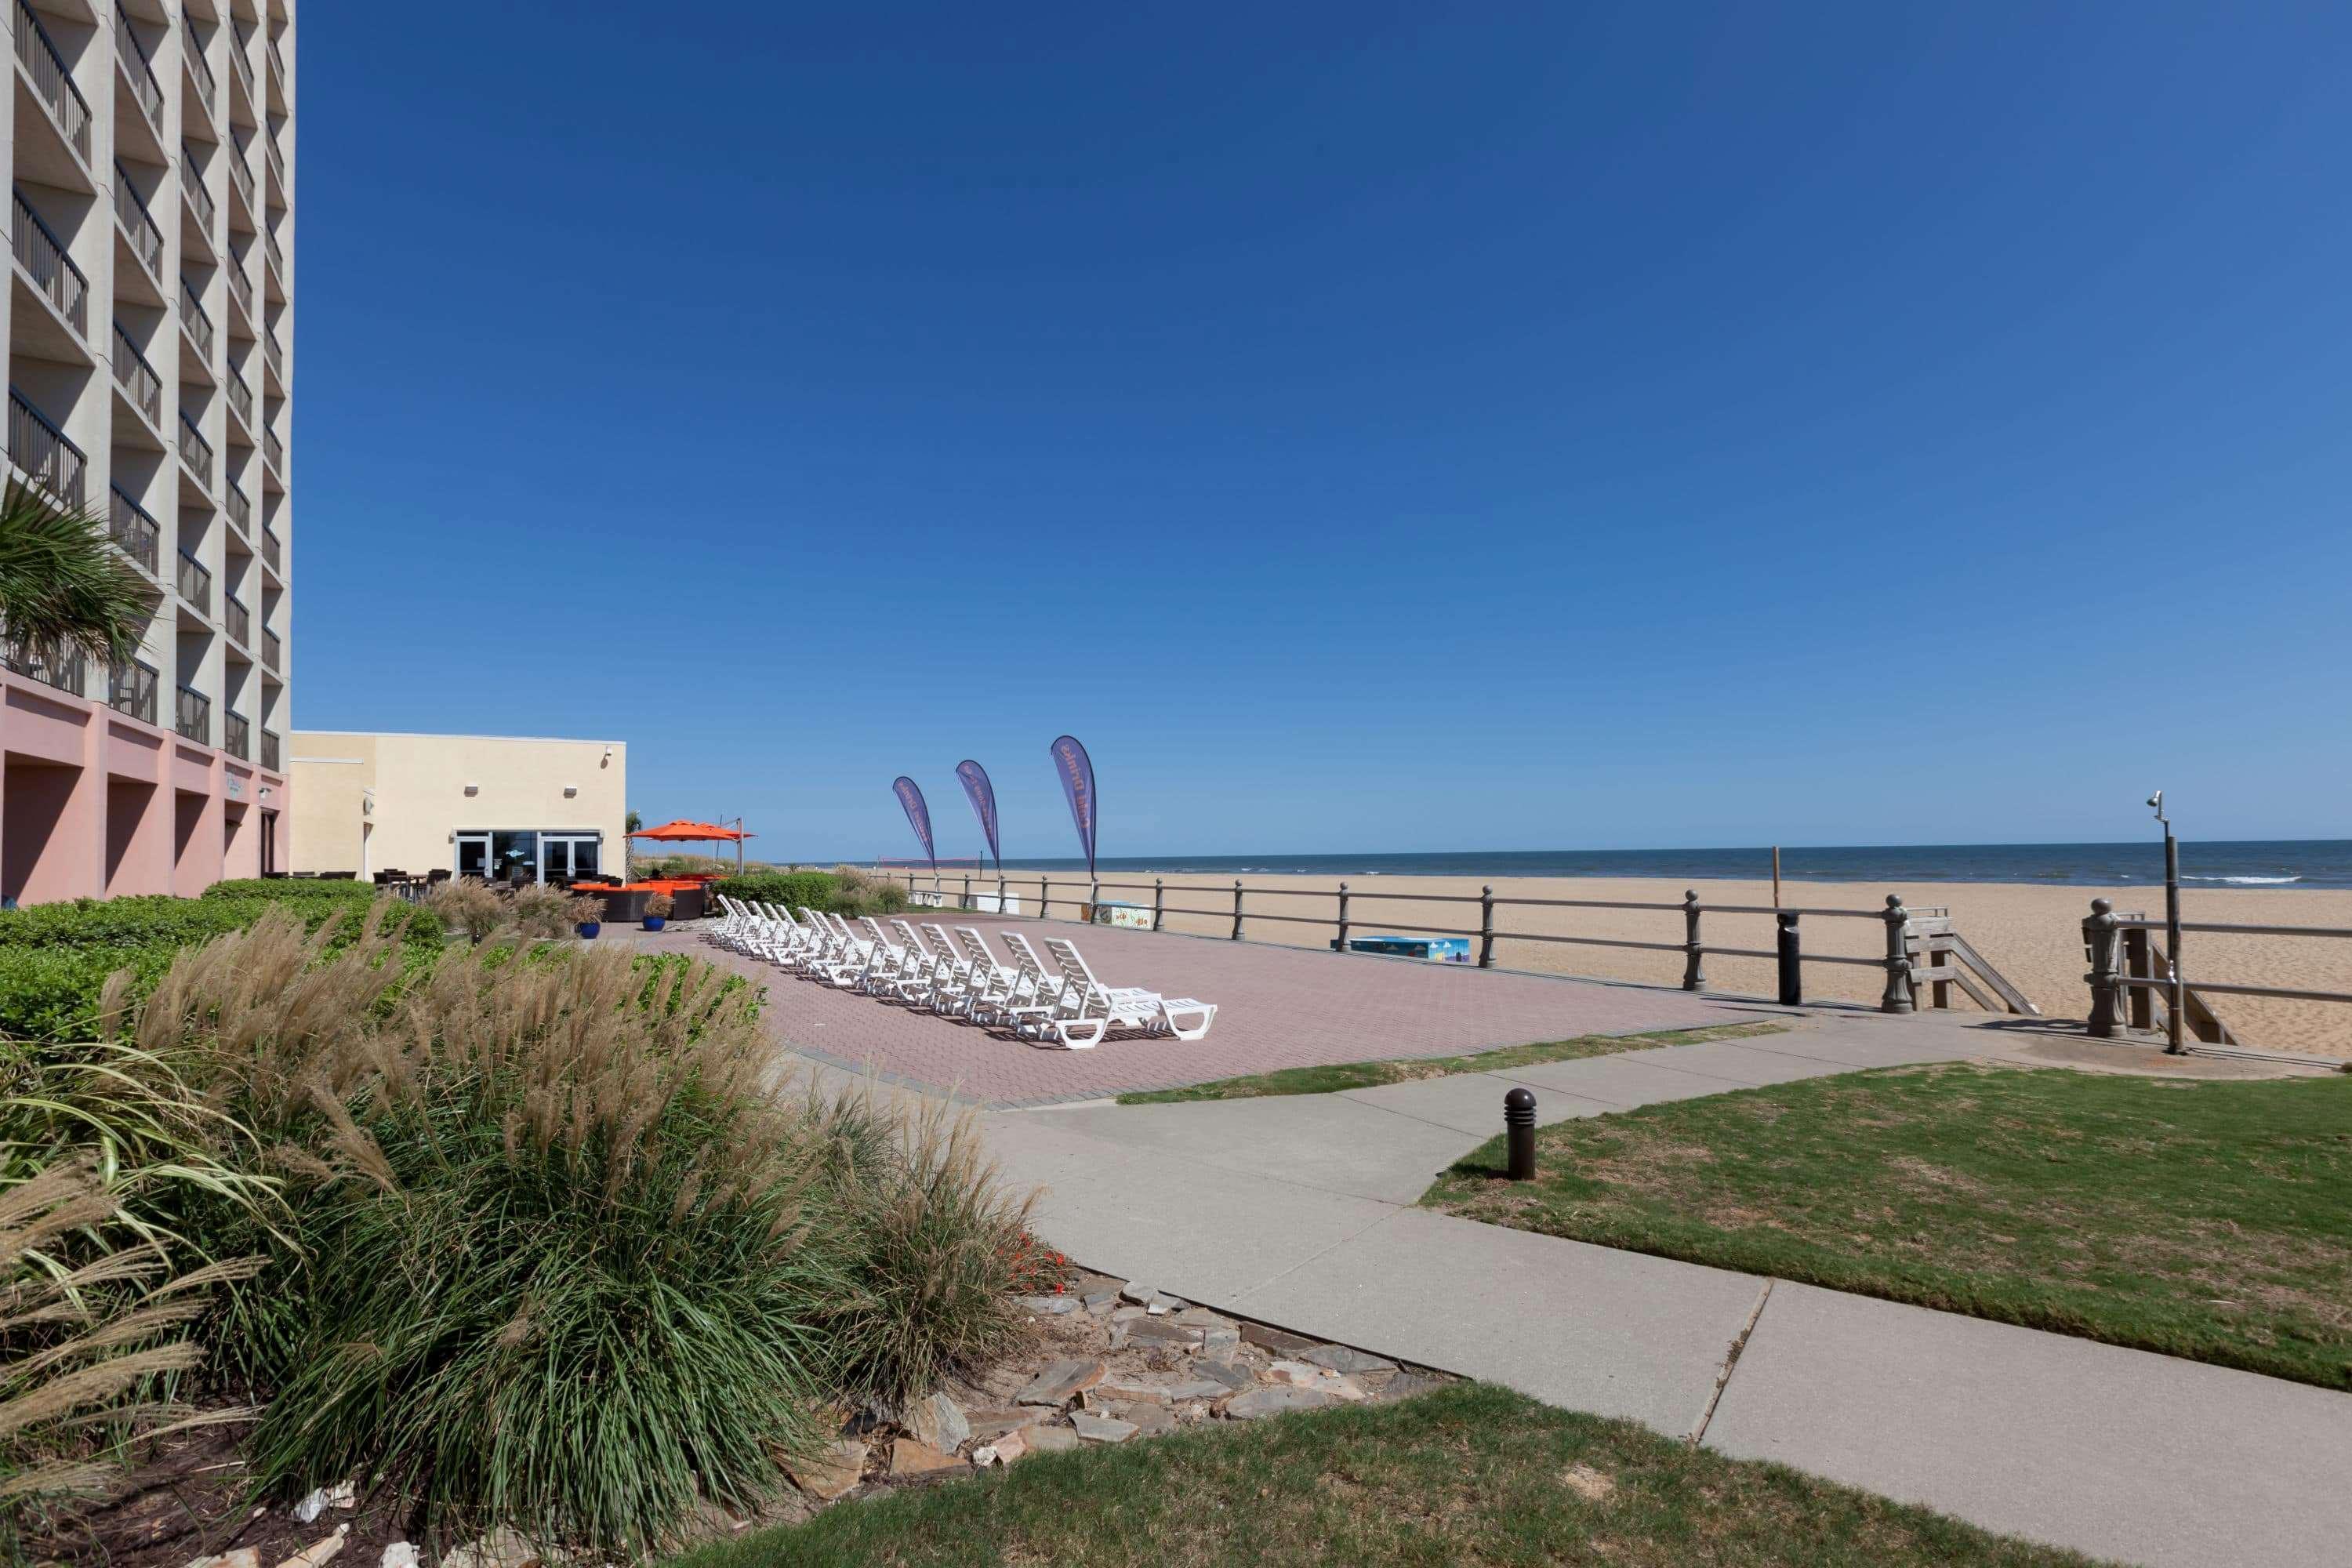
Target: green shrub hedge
point(829, 891)
point(55, 958)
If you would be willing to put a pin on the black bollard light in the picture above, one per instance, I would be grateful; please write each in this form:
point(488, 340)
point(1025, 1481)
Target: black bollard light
point(1519, 1125)
point(1793, 984)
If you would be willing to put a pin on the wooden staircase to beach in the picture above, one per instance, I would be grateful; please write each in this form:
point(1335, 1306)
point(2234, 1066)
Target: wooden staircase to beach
point(2143, 958)
point(1942, 958)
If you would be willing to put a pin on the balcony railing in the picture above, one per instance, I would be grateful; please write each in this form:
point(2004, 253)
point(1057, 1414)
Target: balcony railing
point(137, 377)
point(137, 533)
point(237, 736)
point(140, 69)
point(51, 79)
point(276, 257)
point(207, 84)
point(240, 397)
point(195, 449)
point(240, 174)
point(278, 71)
point(273, 649)
point(146, 237)
point(278, 167)
point(238, 619)
point(42, 451)
point(195, 584)
point(240, 288)
point(43, 256)
point(195, 317)
point(274, 450)
point(131, 688)
point(64, 668)
point(240, 511)
point(200, 199)
point(242, 66)
point(272, 354)
point(271, 551)
point(191, 716)
point(269, 754)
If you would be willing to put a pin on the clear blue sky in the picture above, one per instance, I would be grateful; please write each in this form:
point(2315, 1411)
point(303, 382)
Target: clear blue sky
point(1367, 427)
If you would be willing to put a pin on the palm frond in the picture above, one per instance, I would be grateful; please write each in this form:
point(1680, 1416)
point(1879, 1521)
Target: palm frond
point(62, 585)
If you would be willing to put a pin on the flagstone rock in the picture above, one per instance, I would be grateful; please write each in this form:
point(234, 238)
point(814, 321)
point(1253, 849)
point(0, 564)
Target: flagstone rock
point(1101, 1301)
point(1150, 1420)
point(1230, 1376)
point(834, 1470)
point(1281, 1341)
point(913, 1457)
point(1346, 1359)
point(940, 1422)
point(1061, 1382)
point(1053, 1306)
point(1258, 1402)
point(1161, 1306)
point(1220, 1339)
point(988, 1424)
point(321, 1553)
point(1407, 1385)
point(1196, 1388)
point(1201, 1318)
point(1297, 1373)
point(1051, 1439)
point(1158, 1331)
point(1135, 1291)
point(1148, 1392)
point(1093, 1428)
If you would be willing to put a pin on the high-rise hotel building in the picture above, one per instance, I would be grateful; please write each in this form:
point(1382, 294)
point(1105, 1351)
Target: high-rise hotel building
point(148, 330)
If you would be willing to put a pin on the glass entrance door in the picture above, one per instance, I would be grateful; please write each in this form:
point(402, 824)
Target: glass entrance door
point(474, 855)
point(568, 858)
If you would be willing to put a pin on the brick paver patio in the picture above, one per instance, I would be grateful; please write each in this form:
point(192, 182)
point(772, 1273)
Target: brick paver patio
point(1276, 1007)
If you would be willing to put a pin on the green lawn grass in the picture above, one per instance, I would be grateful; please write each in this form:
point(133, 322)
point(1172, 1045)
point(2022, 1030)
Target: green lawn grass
point(1467, 1474)
point(1368, 1075)
point(2202, 1219)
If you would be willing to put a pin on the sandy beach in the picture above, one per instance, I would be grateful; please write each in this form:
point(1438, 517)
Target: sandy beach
point(2031, 934)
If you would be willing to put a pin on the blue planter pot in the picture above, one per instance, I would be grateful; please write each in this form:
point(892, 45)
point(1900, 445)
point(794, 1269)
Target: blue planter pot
point(588, 930)
point(654, 923)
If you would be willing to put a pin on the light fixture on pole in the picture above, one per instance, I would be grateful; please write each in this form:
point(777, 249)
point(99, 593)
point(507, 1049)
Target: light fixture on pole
point(2175, 996)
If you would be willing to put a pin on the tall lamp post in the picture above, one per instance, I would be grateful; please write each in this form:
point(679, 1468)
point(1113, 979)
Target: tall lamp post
point(2176, 993)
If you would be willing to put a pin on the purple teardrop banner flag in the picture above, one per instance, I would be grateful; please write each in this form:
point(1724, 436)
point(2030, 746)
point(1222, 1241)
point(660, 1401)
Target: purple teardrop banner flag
point(1078, 772)
point(918, 815)
point(983, 804)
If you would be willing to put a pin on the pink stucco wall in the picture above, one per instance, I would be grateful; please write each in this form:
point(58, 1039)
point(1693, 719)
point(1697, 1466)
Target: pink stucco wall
point(95, 804)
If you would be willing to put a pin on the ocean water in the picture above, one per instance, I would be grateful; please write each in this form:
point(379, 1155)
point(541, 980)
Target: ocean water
point(2261, 863)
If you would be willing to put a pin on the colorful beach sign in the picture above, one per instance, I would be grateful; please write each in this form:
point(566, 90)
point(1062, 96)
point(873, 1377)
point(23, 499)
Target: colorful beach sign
point(918, 815)
point(983, 804)
point(1077, 773)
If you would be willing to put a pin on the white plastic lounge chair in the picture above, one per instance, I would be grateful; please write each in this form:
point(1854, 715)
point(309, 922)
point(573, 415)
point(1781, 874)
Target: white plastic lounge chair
point(1088, 1009)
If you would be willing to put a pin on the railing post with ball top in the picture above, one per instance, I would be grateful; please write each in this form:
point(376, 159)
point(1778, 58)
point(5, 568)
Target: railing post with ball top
point(1487, 928)
point(1694, 968)
point(2099, 946)
point(1237, 909)
point(1897, 998)
point(1341, 943)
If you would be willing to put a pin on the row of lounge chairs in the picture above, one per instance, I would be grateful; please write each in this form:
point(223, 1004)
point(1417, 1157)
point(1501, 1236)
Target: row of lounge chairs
point(1055, 998)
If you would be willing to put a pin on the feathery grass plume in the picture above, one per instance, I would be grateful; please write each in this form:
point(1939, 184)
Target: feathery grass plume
point(88, 1312)
point(543, 909)
point(468, 904)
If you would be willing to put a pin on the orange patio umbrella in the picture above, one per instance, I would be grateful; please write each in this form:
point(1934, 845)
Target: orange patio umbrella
point(685, 832)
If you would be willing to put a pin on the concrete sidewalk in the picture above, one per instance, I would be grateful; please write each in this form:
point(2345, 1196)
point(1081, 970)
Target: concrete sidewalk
point(1296, 1211)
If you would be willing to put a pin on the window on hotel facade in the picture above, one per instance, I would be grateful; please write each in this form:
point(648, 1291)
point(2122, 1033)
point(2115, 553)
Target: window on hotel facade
point(530, 855)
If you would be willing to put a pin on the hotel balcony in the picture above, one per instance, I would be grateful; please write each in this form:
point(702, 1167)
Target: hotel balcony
point(191, 716)
point(244, 205)
point(240, 398)
point(238, 620)
point(138, 535)
point(242, 95)
point(207, 86)
point(237, 736)
point(40, 451)
point(275, 278)
point(41, 258)
point(270, 752)
point(195, 451)
point(274, 450)
point(142, 234)
point(52, 83)
point(139, 379)
point(273, 554)
point(239, 510)
point(131, 688)
point(138, 75)
point(201, 205)
point(240, 294)
point(195, 321)
point(273, 360)
point(273, 649)
point(195, 584)
point(64, 668)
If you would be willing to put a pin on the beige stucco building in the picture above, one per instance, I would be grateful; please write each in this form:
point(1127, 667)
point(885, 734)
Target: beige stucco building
point(479, 805)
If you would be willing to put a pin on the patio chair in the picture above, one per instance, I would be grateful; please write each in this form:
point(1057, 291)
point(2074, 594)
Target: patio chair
point(1000, 989)
point(951, 987)
point(1087, 1009)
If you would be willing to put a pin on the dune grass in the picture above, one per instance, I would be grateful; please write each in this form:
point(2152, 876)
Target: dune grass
point(2202, 1219)
point(1474, 1474)
point(1370, 1075)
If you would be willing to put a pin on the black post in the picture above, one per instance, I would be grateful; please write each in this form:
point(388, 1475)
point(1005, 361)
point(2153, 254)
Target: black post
point(2177, 994)
point(1339, 945)
point(1897, 998)
point(2099, 947)
point(966, 889)
point(1520, 1127)
point(1793, 985)
point(1486, 939)
point(1237, 909)
point(1094, 908)
point(1044, 885)
point(1694, 968)
point(1159, 901)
